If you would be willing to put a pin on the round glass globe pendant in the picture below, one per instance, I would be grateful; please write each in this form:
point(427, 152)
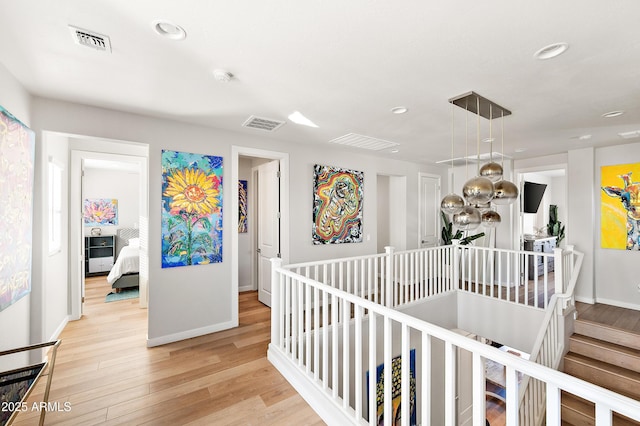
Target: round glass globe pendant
point(467, 219)
point(478, 190)
point(492, 171)
point(505, 193)
point(491, 219)
point(452, 203)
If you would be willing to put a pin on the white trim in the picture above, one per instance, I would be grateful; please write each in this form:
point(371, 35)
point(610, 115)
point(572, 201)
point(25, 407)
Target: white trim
point(188, 334)
point(283, 157)
point(245, 288)
point(421, 201)
point(59, 329)
point(587, 300)
point(617, 303)
point(320, 402)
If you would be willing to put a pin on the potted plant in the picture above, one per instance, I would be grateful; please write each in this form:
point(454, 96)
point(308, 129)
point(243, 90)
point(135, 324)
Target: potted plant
point(555, 228)
point(448, 236)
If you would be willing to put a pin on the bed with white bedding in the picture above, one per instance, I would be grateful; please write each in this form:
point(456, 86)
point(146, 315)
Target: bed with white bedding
point(124, 273)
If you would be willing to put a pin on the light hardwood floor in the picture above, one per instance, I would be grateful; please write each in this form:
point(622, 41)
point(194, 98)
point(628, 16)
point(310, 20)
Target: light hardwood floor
point(109, 377)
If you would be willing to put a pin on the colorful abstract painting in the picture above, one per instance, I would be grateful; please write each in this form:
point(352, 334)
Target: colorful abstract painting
point(243, 204)
point(101, 212)
point(620, 206)
point(191, 209)
point(396, 391)
point(17, 144)
point(337, 205)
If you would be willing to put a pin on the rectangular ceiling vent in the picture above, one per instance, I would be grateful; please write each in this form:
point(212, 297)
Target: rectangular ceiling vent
point(261, 123)
point(630, 135)
point(90, 39)
point(473, 159)
point(364, 142)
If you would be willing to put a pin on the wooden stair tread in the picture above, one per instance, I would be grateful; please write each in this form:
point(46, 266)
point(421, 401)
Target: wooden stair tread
point(607, 333)
point(577, 411)
point(613, 377)
point(612, 353)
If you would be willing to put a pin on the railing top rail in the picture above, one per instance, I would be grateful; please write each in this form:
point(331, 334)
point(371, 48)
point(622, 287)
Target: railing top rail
point(330, 261)
point(616, 402)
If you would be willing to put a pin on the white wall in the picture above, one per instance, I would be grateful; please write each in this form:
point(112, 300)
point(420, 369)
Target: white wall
point(15, 319)
point(384, 220)
point(189, 301)
point(54, 304)
point(581, 217)
point(616, 274)
point(121, 185)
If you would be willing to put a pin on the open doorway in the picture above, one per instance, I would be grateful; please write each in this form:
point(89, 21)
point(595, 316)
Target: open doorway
point(265, 174)
point(540, 188)
point(92, 161)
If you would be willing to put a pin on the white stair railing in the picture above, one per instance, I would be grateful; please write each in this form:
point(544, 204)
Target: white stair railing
point(325, 340)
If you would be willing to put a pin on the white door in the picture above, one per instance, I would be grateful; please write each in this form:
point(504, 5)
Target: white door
point(429, 214)
point(268, 226)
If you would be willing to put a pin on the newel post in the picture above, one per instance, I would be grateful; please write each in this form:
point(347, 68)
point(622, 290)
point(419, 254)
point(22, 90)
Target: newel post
point(388, 290)
point(558, 270)
point(455, 264)
point(276, 309)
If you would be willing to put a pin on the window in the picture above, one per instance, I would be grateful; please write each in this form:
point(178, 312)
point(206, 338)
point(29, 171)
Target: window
point(55, 206)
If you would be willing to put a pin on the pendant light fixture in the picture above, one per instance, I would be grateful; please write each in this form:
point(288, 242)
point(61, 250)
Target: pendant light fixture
point(491, 170)
point(506, 192)
point(452, 203)
point(479, 189)
point(489, 187)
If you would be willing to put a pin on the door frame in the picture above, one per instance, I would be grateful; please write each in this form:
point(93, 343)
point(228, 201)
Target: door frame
point(104, 149)
point(420, 201)
point(283, 157)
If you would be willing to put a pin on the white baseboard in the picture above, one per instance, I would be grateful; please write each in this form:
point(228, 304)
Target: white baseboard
point(246, 288)
point(618, 303)
point(323, 405)
point(587, 300)
point(188, 334)
point(59, 329)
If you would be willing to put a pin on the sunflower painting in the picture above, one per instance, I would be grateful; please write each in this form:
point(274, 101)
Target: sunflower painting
point(191, 209)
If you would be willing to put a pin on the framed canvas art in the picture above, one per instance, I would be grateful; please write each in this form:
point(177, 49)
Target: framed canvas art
point(243, 204)
point(100, 212)
point(337, 205)
point(620, 206)
point(17, 144)
point(396, 391)
point(191, 209)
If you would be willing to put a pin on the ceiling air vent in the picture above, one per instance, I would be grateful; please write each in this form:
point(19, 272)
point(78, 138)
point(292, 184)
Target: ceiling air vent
point(90, 39)
point(261, 123)
point(364, 142)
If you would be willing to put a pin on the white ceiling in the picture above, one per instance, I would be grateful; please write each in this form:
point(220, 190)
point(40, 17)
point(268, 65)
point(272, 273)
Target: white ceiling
point(344, 65)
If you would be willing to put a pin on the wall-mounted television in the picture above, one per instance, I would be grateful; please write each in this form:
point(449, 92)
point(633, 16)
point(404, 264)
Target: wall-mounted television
point(532, 196)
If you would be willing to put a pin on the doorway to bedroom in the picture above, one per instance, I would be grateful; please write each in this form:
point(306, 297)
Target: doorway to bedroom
point(108, 219)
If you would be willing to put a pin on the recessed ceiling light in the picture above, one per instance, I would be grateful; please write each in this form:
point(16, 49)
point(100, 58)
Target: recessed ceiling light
point(551, 51)
point(169, 30)
point(395, 151)
point(520, 149)
point(399, 110)
point(298, 118)
point(488, 140)
point(584, 137)
point(612, 114)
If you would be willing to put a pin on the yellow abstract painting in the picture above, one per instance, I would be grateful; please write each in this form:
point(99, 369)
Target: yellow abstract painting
point(620, 206)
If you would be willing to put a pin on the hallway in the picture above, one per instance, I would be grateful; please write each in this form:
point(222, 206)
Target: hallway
point(109, 376)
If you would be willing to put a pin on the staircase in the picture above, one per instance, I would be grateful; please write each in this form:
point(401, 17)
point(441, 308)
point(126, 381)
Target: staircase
point(606, 356)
